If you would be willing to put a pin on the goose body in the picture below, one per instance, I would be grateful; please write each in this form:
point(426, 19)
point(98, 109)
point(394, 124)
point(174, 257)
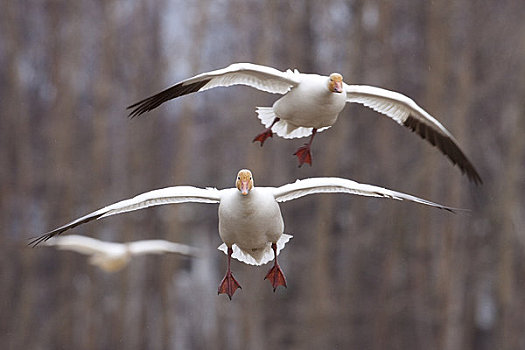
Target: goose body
point(250, 220)
point(312, 103)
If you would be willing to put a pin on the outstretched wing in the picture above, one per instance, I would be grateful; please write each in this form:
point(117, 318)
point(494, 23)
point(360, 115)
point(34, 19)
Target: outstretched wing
point(169, 195)
point(159, 246)
point(406, 112)
point(301, 188)
point(260, 77)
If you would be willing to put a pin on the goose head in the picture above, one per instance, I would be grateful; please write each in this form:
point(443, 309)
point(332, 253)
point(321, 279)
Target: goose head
point(335, 83)
point(244, 182)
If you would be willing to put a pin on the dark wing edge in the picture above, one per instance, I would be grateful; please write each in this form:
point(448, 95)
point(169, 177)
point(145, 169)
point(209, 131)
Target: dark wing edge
point(446, 145)
point(170, 93)
point(46, 236)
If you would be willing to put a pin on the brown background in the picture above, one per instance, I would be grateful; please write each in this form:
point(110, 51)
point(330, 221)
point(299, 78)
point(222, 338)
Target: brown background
point(362, 273)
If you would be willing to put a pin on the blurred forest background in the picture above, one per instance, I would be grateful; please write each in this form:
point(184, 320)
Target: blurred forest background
point(362, 273)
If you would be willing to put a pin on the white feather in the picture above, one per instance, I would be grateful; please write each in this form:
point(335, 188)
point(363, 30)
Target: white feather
point(265, 257)
point(302, 188)
point(260, 77)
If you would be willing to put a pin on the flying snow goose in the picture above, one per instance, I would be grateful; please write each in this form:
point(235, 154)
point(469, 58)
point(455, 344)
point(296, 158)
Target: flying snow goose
point(312, 103)
point(110, 256)
point(250, 221)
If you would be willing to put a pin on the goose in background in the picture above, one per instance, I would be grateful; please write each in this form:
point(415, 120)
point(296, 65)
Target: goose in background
point(312, 103)
point(250, 220)
point(111, 256)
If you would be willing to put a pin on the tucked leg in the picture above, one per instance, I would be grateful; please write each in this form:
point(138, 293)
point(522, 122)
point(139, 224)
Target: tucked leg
point(303, 153)
point(275, 275)
point(266, 133)
point(229, 284)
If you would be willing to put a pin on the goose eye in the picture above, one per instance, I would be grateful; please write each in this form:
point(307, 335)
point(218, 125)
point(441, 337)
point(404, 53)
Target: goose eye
point(238, 177)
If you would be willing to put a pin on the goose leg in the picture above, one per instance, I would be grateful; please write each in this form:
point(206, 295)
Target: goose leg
point(303, 153)
point(275, 275)
point(229, 284)
point(266, 133)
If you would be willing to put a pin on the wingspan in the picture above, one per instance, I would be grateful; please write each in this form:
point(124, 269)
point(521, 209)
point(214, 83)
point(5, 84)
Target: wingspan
point(260, 77)
point(169, 195)
point(301, 188)
point(406, 112)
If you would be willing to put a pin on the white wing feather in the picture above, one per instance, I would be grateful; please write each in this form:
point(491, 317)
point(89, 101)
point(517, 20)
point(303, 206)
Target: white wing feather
point(392, 104)
point(260, 77)
point(305, 187)
point(169, 195)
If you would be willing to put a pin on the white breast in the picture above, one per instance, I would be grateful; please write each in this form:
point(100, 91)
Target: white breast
point(251, 222)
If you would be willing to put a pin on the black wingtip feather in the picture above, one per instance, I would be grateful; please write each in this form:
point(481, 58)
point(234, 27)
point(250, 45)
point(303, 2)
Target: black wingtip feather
point(156, 100)
point(46, 236)
point(447, 146)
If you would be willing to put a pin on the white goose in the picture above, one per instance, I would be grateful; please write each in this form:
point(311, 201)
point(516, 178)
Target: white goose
point(312, 103)
point(110, 256)
point(250, 221)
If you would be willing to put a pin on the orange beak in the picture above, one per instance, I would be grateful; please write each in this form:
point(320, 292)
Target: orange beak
point(245, 187)
point(338, 86)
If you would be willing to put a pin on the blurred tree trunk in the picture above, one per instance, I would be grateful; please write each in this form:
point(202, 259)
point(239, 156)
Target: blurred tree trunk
point(299, 35)
point(105, 93)
point(454, 252)
point(144, 166)
point(451, 264)
point(17, 177)
point(424, 292)
point(183, 149)
point(510, 318)
point(63, 136)
point(17, 173)
point(355, 50)
point(388, 231)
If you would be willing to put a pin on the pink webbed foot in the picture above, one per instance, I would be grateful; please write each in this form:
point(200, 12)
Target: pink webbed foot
point(276, 275)
point(263, 136)
point(228, 285)
point(303, 155)
point(266, 133)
